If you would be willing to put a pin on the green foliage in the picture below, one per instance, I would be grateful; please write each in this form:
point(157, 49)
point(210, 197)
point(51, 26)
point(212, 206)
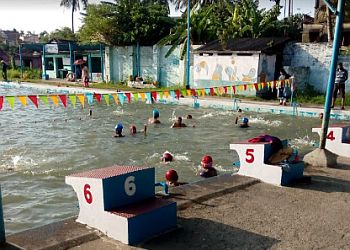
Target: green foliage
point(74, 5)
point(64, 33)
point(126, 22)
point(15, 73)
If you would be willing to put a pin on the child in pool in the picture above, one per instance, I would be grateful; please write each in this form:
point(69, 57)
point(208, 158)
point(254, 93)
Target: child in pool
point(244, 123)
point(119, 130)
point(155, 117)
point(167, 157)
point(178, 123)
point(172, 178)
point(207, 167)
point(133, 129)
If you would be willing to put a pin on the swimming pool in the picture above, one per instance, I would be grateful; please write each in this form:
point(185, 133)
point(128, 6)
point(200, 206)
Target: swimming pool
point(39, 147)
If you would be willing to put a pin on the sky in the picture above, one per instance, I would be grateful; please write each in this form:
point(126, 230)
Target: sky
point(39, 15)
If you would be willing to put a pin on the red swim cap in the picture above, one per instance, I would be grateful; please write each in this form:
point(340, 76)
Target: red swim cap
point(171, 175)
point(167, 157)
point(207, 161)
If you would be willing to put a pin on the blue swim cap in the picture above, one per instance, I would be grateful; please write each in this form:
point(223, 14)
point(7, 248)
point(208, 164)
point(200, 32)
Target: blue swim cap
point(245, 120)
point(155, 113)
point(119, 126)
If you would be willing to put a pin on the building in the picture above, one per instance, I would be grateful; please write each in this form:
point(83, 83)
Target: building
point(10, 37)
point(241, 60)
point(30, 38)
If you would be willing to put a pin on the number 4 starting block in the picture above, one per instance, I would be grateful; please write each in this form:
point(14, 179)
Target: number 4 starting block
point(252, 158)
point(120, 202)
point(338, 139)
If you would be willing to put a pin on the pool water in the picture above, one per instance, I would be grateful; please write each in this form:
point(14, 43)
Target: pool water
point(39, 147)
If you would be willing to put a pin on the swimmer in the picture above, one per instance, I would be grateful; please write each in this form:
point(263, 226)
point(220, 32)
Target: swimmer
point(132, 129)
point(167, 157)
point(90, 112)
point(178, 123)
point(155, 117)
point(244, 123)
point(118, 130)
point(189, 117)
point(172, 177)
point(207, 167)
point(320, 116)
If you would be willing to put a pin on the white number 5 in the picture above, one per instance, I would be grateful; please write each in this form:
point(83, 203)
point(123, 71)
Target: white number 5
point(129, 186)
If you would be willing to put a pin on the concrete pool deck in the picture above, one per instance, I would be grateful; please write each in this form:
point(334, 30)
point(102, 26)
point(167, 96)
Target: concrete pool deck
point(304, 110)
point(231, 212)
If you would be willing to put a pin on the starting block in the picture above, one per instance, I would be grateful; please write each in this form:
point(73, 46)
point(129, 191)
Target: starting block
point(120, 202)
point(253, 158)
point(338, 139)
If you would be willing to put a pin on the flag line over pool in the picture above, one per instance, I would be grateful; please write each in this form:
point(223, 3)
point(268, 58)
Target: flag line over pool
point(120, 98)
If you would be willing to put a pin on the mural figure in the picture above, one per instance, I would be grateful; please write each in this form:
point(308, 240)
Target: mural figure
point(250, 77)
point(231, 73)
point(217, 75)
point(202, 65)
point(264, 71)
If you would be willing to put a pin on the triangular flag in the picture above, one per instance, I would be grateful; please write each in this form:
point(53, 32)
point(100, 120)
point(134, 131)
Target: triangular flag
point(121, 97)
point(166, 94)
point(234, 89)
point(90, 98)
point(177, 92)
point(54, 99)
point(221, 90)
point(44, 99)
point(184, 92)
point(73, 99)
point(63, 100)
point(142, 97)
point(203, 92)
point(189, 92)
point(106, 97)
point(245, 86)
point(225, 90)
point(128, 95)
point(154, 95)
point(11, 101)
point(136, 97)
point(212, 91)
point(115, 98)
point(172, 93)
point(97, 97)
point(256, 86)
point(81, 98)
point(1, 101)
point(148, 96)
point(34, 100)
point(161, 95)
point(207, 91)
point(23, 100)
point(193, 92)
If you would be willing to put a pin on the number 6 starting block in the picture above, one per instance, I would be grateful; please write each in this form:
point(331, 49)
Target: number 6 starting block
point(252, 158)
point(120, 202)
point(338, 139)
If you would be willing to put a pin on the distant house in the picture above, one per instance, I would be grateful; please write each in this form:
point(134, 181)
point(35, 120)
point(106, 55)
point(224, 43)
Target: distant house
point(11, 37)
point(30, 38)
point(241, 60)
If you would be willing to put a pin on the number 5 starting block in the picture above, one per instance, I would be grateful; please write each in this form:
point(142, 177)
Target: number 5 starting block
point(338, 139)
point(120, 202)
point(252, 158)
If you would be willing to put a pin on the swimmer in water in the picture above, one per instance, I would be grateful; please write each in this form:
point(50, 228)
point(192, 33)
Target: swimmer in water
point(155, 117)
point(118, 130)
point(320, 116)
point(189, 117)
point(172, 178)
point(133, 129)
point(90, 112)
point(178, 123)
point(244, 123)
point(167, 157)
point(207, 167)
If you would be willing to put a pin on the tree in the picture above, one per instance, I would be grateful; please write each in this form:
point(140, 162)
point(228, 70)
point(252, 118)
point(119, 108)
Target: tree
point(75, 5)
point(64, 33)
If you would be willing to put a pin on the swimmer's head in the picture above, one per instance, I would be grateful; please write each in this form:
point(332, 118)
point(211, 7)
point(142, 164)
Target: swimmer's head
point(133, 129)
point(189, 116)
point(239, 110)
point(207, 161)
point(167, 157)
point(179, 119)
point(245, 120)
point(155, 114)
point(320, 115)
point(171, 175)
point(119, 128)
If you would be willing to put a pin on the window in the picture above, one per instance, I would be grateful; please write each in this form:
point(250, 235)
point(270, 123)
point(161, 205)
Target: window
point(96, 64)
point(49, 65)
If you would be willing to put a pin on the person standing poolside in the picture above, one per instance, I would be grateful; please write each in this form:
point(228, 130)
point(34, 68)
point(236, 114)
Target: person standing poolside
point(85, 76)
point(4, 70)
point(340, 78)
point(283, 90)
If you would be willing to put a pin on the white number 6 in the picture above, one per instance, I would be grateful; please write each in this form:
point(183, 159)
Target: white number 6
point(129, 185)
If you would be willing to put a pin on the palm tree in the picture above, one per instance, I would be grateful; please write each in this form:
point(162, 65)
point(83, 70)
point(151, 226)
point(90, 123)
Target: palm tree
point(75, 5)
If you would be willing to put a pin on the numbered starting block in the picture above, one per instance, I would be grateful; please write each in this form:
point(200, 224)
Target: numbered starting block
point(338, 139)
point(253, 158)
point(120, 202)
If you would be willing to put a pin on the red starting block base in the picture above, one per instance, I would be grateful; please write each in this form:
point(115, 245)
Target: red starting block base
point(252, 158)
point(338, 139)
point(120, 202)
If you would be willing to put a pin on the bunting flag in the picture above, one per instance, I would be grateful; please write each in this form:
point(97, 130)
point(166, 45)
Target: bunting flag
point(143, 97)
point(81, 98)
point(183, 92)
point(148, 97)
point(161, 95)
point(256, 86)
point(234, 89)
point(44, 99)
point(23, 100)
point(97, 97)
point(136, 97)
point(73, 99)
point(203, 92)
point(115, 98)
point(90, 98)
point(166, 94)
point(34, 100)
point(189, 92)
point(54, 99)
point(154, 95)
point(1, 101)
point(212, 91)
point(128, 95)
point(106, 98)
point(121, 98)
point(63, 99)
point(11, 101)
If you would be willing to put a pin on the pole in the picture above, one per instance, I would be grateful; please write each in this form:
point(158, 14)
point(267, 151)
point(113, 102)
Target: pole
point(188, 44)
point(2, 225)
point(102, 66)
point(70, 56)
point(90, 66)
point(20, 60)
point(43, 62)
point(332, 70)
